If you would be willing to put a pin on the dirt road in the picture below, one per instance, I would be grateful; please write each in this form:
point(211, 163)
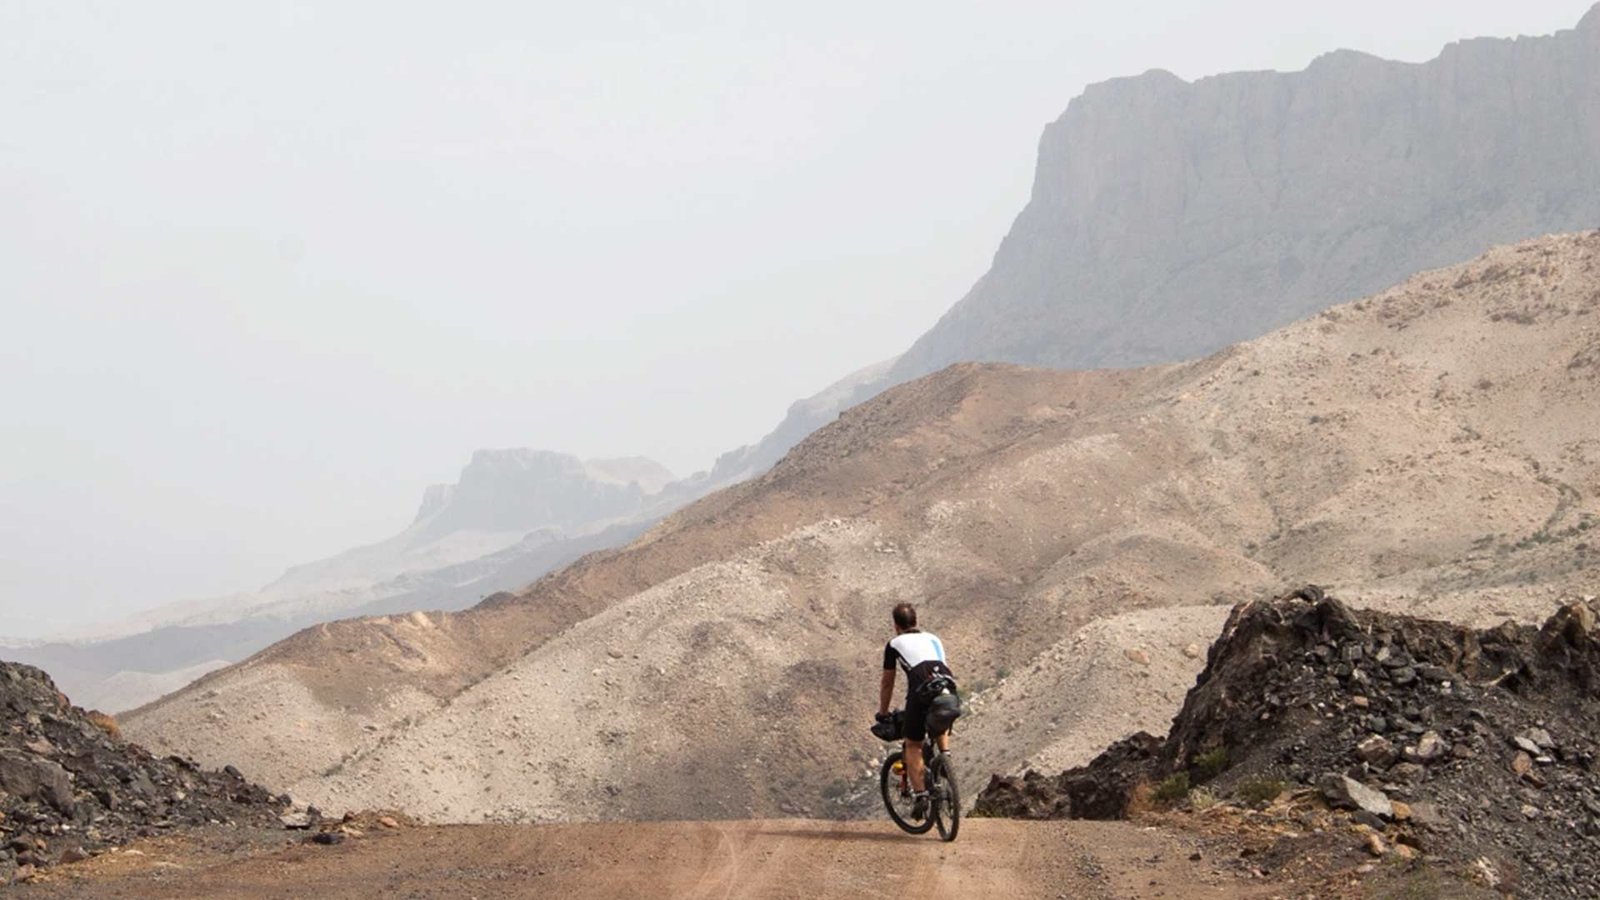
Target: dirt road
point(707, 860)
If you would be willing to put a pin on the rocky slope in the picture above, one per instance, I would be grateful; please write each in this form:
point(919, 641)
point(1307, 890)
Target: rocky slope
point(1435, 446)
point(69, 786)
point(1474, 747)
point(513, 516)
point(1170, 219)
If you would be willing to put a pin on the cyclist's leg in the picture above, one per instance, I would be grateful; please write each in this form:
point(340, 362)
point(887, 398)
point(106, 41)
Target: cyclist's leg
point(914, 764)
point(916, 726)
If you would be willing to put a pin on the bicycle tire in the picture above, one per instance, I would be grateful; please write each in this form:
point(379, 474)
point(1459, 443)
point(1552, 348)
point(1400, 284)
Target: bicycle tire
point(946, 813)
point(889, 787)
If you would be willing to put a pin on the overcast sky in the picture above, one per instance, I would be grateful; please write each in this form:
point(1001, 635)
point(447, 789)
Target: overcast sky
point(268, 269)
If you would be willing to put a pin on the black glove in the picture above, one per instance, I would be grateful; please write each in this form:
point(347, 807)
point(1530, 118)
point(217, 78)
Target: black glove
point(884, 717)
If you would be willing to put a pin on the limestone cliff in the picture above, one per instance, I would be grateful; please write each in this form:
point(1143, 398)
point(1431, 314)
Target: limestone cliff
point(1170, 219)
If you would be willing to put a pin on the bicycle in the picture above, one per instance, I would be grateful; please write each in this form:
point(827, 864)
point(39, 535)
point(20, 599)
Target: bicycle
point(938, 776)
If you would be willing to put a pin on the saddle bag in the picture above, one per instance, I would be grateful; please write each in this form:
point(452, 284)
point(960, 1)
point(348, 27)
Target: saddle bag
point(944, 705)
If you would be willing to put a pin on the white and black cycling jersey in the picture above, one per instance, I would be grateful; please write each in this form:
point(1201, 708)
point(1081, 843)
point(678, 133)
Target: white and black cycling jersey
point(919, 654)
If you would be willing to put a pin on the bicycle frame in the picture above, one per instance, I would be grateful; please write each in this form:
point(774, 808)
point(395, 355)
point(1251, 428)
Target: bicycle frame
point(944, 810)
point(930, 752)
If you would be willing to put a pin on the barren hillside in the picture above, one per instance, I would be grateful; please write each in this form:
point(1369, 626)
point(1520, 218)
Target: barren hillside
point(1071, 535)
point(1170, 219)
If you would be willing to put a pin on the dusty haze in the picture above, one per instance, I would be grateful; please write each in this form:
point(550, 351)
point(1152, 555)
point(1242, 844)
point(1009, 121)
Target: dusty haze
point(266, 273)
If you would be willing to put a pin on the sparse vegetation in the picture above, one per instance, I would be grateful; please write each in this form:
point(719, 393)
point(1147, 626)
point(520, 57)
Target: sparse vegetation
point(1172, 790)
point(1545, 535)
point(1201, 799)
point(1416, 880)
point(1210, 764)
point(1259, 791)
point(105, 723)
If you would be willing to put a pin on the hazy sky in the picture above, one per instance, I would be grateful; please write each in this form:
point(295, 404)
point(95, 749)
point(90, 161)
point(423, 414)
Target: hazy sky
point(267, 269)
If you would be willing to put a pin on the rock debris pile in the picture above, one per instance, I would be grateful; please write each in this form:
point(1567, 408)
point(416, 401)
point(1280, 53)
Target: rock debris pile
point(1473, 749)
point(70, 786)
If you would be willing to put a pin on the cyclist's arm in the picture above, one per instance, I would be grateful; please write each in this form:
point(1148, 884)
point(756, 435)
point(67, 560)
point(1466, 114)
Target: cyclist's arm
point(886, 693)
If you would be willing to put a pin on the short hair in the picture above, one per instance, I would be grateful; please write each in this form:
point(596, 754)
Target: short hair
point(905, 616)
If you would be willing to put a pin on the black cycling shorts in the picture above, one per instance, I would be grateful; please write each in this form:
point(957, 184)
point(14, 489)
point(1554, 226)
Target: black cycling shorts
point(916, 718)
point(919, 703)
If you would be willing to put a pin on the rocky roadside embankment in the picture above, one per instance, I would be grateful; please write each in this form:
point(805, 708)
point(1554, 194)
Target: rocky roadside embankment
point(1470, 751)
point(70, 787)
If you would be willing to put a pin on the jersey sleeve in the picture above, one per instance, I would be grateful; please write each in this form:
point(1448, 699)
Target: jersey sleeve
point(889, 654)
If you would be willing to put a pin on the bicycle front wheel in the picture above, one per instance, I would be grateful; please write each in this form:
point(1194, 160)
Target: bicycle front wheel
point(897, 797)
point(947, 801)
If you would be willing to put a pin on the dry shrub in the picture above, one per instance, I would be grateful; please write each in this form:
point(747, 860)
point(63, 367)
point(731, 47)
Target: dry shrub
point(1260, 791)
point(1202, 799)
point(1170, 792)
point(104, 723)
point(1210, 764)
point(1139, 800)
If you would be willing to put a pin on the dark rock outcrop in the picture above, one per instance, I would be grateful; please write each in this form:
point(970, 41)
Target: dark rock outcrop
point(69, 786)
point(1475, 746)
point(1098, 793)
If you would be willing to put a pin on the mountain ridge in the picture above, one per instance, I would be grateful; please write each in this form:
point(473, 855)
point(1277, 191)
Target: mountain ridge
point(1433, 444)
point(1029, 307)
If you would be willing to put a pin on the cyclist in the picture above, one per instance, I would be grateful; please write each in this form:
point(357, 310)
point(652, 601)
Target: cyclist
point(921, 655)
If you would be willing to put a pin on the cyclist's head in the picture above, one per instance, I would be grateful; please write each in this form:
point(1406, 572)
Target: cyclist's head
point(905, 617)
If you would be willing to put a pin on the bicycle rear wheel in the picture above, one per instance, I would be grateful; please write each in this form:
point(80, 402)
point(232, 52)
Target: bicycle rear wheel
point(946, 812)
point(897, 797)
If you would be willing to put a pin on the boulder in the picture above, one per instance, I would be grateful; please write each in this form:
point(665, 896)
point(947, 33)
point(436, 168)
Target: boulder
point(1429, 748)
point(31, 778)
point(1376, 750)
point(1344, 792)
point(1521, 764)
point(72, 855)
point(1540, 738)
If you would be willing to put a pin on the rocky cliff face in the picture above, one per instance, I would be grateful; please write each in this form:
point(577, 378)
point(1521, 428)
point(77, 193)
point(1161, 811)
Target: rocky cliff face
point(1170, 219)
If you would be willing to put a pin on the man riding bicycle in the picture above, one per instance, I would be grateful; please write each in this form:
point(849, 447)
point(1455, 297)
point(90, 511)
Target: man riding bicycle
point(929, 682)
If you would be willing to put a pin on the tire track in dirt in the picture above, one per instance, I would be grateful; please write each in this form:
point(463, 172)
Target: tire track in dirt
point(734, 860)
point(721, 874)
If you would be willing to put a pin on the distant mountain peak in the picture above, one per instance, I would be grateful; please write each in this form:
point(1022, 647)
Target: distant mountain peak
point(519, 489)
